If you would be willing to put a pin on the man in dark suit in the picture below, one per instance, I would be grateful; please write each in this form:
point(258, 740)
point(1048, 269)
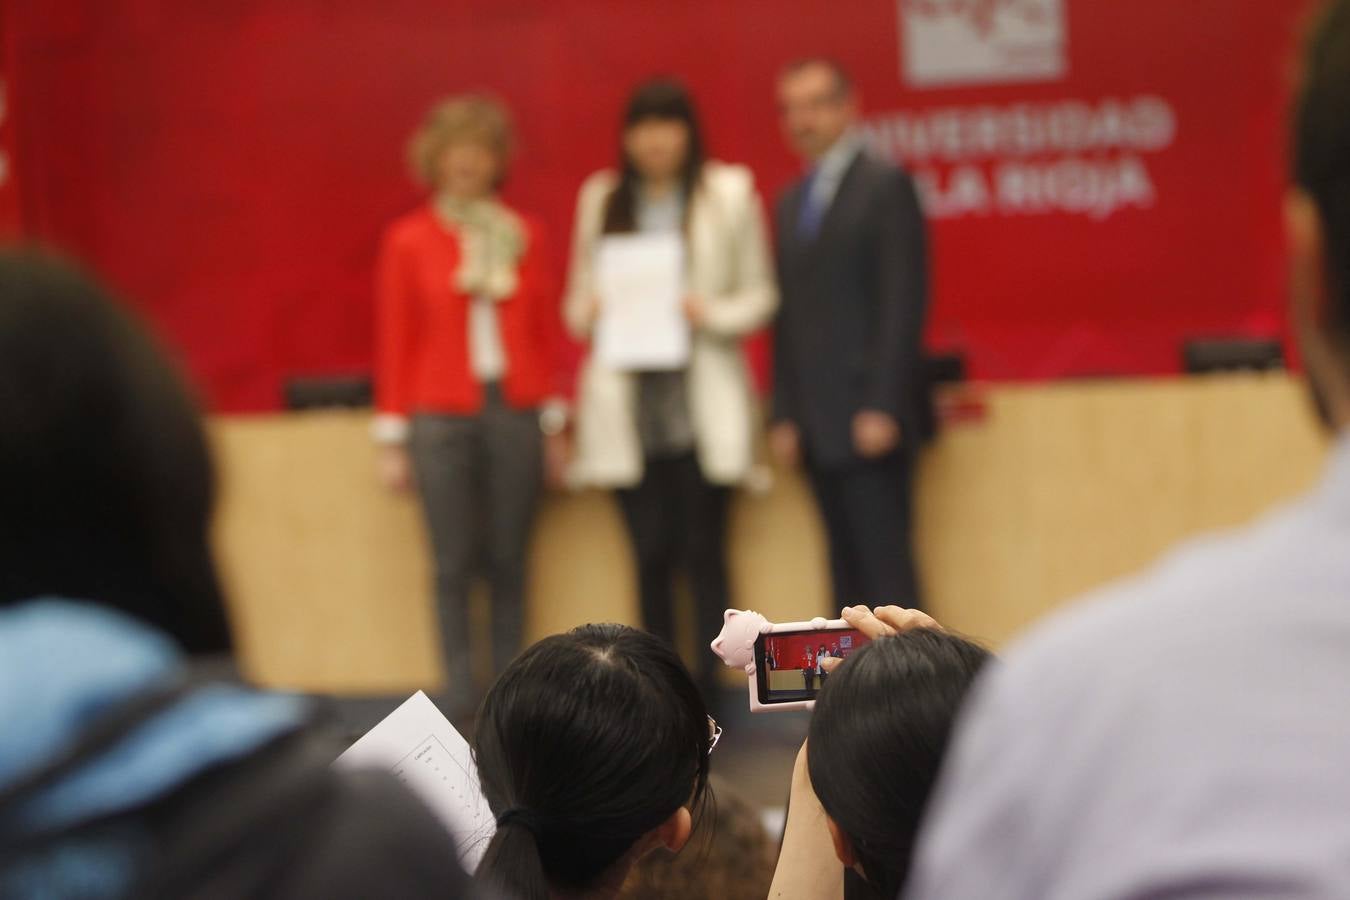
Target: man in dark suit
point(850, 401)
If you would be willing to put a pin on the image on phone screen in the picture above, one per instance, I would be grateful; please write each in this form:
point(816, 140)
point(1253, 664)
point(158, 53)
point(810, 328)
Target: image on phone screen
point(787, 663)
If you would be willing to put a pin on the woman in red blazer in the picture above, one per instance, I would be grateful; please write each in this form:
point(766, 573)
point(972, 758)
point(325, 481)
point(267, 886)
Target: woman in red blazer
point(467, 327)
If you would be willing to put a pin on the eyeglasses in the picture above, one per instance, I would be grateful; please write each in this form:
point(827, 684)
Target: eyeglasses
point(714, 734)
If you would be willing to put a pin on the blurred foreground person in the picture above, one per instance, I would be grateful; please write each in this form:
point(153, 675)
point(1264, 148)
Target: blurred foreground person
point(592, 749)
point(124, 770)
point(1185, 734)
point(467, 329)
point(673, 441)
point(850, 401)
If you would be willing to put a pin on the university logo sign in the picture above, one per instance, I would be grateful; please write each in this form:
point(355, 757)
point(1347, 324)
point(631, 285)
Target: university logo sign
point(957, 42)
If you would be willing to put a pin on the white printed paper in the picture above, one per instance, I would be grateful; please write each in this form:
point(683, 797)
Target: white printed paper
point(420, 746)
point(640, 280)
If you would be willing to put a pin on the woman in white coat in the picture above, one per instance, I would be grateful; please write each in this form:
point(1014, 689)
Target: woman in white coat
point(672, 444)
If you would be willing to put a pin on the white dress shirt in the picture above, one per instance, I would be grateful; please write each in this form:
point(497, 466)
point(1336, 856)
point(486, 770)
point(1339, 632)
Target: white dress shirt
point(831, 168)
point(487, 356)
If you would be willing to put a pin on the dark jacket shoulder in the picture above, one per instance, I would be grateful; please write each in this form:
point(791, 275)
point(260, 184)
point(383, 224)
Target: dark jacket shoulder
point(883, 177)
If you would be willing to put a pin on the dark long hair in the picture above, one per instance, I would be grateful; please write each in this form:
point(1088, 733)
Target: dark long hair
point(588, 741)
point(666, 99)
point(877, 739)
point(1321, 151)
point(106, 487)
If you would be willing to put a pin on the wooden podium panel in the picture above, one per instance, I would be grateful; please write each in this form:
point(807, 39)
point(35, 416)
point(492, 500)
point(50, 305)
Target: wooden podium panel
point(786, 680)
point(1055, 490)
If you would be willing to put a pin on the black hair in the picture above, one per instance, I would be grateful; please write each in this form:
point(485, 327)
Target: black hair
point(877, 738)
point(662, 99)
point(843, 82)
point(106, 486)
point(587, 741)
point(1321, 151)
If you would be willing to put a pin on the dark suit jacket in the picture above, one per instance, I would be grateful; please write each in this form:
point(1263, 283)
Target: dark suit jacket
point(849, 335)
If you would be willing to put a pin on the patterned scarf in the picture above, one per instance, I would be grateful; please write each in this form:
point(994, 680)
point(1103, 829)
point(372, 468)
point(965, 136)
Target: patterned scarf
point(492, 239)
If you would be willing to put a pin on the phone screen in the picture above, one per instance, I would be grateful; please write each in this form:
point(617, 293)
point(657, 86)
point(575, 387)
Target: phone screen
point(787, 663)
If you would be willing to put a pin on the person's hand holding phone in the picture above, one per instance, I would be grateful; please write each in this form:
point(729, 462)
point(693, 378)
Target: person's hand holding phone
point(883, 621)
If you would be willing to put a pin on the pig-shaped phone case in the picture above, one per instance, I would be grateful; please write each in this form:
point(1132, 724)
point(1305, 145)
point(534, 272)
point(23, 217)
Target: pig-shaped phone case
point(735, 644)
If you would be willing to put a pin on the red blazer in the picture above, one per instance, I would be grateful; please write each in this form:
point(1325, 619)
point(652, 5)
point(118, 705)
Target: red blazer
point(422, 323)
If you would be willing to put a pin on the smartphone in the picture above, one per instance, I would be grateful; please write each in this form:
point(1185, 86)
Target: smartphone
point(787, 663)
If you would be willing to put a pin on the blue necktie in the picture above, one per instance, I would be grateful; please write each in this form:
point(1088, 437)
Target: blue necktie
point(812, 211)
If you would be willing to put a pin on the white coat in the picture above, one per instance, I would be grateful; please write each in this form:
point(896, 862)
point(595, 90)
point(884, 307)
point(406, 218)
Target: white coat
point(729, 267)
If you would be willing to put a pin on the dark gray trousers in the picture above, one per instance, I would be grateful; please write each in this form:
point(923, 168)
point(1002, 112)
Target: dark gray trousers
point(479, 479)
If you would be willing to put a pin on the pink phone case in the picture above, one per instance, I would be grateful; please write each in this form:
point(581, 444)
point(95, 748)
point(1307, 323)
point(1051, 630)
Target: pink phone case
point(736, 645)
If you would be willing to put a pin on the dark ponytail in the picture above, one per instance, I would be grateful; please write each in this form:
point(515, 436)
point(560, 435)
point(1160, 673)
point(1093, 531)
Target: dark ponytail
point(877, 739)
point(513, 864)
point(587, 742)
point(663, 99)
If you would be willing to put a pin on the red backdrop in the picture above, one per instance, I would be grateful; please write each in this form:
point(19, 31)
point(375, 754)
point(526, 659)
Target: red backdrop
point(10, 222)
point(789, 650)
point(229, 165)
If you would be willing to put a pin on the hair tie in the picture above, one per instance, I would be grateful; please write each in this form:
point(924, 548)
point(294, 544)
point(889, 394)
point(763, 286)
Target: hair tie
point(522, 817)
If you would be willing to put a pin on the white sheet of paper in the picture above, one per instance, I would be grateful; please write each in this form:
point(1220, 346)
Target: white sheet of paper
point(420, 746)
point(640, 280)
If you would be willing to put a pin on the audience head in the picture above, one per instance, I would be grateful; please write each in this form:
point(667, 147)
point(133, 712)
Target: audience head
point(106, 485)
point(735, 863)
point(1318, 214)
point(877, 739)
point(592, 749)
point(817, 103)
point(662, 142)
point(463, 147)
